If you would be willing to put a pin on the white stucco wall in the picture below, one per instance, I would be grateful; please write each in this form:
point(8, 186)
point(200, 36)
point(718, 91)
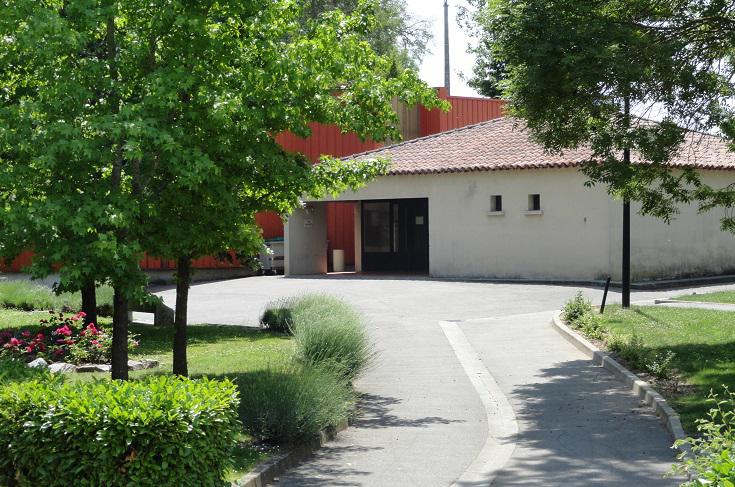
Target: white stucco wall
point(578, 236)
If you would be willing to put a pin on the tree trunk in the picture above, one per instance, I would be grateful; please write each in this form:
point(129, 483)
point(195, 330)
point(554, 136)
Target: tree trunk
point(183, 280)
point(89, 302)
point(120, 336)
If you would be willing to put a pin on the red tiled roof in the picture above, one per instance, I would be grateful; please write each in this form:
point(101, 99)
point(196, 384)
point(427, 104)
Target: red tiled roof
point(504, 143)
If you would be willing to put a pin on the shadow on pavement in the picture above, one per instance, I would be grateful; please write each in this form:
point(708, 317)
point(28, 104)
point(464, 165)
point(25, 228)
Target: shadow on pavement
point(579, 427)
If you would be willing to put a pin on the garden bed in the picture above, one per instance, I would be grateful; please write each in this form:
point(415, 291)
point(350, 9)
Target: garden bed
point(290, 388)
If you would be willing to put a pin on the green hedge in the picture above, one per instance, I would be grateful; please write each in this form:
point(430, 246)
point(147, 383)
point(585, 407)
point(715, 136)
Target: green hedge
point(157, 431)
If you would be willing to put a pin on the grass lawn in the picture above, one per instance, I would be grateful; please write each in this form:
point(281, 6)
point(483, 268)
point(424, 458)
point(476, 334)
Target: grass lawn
point(28, 295)
point(213, 351)
point(703, 341)
point(716, 297)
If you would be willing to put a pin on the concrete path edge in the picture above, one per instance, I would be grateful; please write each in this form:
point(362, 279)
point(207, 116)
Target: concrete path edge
point(501, 420)
point(266, 472)
point(641, 388)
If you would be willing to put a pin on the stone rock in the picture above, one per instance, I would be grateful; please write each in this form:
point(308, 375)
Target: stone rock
point(94, 368)
point(142, 364)
point(39, 363)
point(60, 367)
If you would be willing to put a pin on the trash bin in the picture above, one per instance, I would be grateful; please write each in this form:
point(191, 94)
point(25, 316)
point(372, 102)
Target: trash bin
point(338, 260)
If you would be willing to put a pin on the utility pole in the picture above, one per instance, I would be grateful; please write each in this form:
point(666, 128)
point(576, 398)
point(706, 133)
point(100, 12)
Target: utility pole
point(626, 212)
point(446, 47)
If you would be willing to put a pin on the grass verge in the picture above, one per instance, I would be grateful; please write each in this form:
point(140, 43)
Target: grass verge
point(726, 297)
point(698, 345)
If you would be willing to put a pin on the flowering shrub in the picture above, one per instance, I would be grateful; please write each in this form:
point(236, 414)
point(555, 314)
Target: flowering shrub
point(60, 339)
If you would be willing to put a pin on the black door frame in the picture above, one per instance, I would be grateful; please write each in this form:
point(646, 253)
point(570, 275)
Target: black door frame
point(405, 260)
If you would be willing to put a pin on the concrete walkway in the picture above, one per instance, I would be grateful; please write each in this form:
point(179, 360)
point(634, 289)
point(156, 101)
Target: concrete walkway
point(422, 422)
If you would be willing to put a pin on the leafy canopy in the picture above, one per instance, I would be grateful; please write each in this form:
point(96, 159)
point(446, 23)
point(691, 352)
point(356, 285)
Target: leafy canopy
point(134, 125)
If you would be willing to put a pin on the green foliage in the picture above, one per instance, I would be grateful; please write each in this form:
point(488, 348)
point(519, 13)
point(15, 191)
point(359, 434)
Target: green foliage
point(157, 431)
point(633, 351)
point(18, 371)
point(712, 457)
point(131, 126)
point(330, 333)
point(591, 325)
point(28, 296)
point(660, 365)
point(575, 308)
point(397, 34)
point(568, 69)
point(292, 403)
point(278, 316)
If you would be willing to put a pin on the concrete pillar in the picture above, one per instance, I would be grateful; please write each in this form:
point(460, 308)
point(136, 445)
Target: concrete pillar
point(305, 236)
point(358, 236)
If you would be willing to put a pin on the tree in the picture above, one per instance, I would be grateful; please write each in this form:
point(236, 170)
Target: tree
point(151, 126)
point(573, 70)
point(396, 34)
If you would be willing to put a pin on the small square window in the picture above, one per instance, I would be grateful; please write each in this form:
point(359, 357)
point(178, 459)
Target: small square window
point(534, 202)
point(496, 202)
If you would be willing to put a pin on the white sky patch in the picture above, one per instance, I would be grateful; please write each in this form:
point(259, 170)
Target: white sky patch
point(432, 68)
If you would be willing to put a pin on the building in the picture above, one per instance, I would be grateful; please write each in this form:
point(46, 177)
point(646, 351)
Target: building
point(415, 122)
point(485, 202)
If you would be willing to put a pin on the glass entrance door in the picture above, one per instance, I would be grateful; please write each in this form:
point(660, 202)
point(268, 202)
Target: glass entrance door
point(395, 235)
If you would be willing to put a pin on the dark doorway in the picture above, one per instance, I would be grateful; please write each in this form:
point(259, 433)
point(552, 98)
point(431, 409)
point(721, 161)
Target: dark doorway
point(395, 235)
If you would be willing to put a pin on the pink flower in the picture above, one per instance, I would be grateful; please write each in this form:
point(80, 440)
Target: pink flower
point(29, 349)
point(26, 334)
point(15, 342)
point(64, 330)
point(40, 337)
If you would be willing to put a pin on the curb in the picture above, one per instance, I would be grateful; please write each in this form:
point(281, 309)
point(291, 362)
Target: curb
point(641, 388)
point(269, 470)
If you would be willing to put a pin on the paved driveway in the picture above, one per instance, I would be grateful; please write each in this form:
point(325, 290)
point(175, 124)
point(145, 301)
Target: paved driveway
point(422, 421)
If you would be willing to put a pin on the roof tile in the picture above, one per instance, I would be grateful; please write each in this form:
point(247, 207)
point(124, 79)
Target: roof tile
point(504, 143)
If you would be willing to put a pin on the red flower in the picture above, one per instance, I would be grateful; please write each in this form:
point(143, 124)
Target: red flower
point(26, 334)
point(64, 330)
point(29, 349)
point(15, 342)
point(40, 337)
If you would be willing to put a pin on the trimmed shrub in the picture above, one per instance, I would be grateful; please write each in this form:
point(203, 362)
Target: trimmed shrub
point(28, 296)
point(712, 457)
point(329, 332)
point(575, 308)
point(292, 403)
point(278, 316)
point(157, 431)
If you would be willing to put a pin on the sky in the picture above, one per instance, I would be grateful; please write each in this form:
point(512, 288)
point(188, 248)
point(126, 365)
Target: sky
point(432, 68)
